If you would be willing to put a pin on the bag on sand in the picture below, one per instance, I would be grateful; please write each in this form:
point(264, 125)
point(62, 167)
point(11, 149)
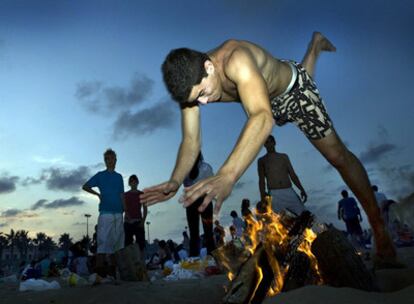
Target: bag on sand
point(131, 263)
point(38, 285)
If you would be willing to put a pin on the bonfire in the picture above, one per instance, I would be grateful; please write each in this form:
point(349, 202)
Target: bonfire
point(278, 253)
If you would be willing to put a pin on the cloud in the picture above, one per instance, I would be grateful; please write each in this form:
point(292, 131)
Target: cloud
point(59, 203)
point(11, 212)
point(28, 181)
point(160, 116)
point(38, 204)
point(400, 179)
point(375, 151)
point(62, 179)
point(66, 180)
point(8, 183)
point(97, 98)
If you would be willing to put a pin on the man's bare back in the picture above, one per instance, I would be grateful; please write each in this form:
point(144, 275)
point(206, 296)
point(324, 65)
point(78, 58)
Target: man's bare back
point(277, 74)
point(276, 169)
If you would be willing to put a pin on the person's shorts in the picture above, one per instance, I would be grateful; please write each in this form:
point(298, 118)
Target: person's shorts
point(286, 199)
point(303, 106)
point(110, 233)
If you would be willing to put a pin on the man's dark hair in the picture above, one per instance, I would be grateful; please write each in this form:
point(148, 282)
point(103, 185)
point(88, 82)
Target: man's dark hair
point(133, 177)
point(182, 69)
point(344, 193)
point(233, 213)
point(109, 152)
point(375, 188)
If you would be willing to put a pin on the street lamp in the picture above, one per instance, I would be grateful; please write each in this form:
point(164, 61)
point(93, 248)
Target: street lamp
point(87, 232)
point(148, 223)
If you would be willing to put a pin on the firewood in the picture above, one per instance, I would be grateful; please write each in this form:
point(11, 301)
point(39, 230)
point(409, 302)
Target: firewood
point(247, 281)
point(339, 263)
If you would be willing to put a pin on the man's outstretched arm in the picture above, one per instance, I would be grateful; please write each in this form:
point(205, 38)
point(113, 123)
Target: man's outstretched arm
point(187, 154)
point(242, 70)
point(295, 179)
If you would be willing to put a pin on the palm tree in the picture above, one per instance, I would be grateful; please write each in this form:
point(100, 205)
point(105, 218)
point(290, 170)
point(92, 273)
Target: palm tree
point(65, 241)
point(38, 241)
point(48, 245)
point(85, 242)
point(11, 242)
point(22, 243)
point(3, 245)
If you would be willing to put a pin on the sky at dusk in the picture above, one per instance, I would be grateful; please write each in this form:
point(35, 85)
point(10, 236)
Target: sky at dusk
point(78, 77)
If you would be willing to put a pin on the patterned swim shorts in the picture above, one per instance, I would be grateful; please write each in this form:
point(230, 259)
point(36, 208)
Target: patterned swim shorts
point(303, 106)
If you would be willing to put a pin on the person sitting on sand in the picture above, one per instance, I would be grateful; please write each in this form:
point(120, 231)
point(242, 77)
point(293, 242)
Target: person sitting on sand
point(219, 233)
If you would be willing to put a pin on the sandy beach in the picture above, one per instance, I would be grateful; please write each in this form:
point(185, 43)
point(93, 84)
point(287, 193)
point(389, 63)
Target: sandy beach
point(396, 285)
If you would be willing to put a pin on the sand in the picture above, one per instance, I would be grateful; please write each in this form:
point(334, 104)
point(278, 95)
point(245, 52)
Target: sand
point(397, 286)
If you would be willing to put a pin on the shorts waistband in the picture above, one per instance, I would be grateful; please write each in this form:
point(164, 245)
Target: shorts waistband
point(292, 80)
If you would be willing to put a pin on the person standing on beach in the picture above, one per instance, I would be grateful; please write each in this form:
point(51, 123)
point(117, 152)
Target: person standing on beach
point(134, 218)
point(238, 223)
point(271, 91)
point(349, 212)
point(110, 230)
point(200, 170)
point(276, 171)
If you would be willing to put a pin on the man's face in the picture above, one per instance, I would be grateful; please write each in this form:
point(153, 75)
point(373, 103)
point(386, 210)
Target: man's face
point(133, 183)
point(110, 161)
point(209, 89)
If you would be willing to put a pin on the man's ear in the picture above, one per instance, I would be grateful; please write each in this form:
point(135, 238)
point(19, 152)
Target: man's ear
point(209, 66)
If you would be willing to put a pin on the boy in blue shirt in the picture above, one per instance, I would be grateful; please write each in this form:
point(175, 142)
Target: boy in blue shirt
point(110, 232)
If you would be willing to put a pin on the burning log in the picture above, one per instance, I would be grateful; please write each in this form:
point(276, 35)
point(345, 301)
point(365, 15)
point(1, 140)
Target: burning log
point(261, 273)
point(300, 273)
point(253, 280)
point(339, 263)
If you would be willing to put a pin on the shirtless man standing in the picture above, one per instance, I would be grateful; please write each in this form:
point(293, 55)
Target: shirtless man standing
point(270, 91)
point(276, 171)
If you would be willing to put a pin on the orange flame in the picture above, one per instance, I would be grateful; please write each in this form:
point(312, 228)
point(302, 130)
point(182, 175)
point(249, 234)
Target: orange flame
point(268, 229)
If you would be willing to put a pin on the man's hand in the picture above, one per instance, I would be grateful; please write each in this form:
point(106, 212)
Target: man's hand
point(159, 193)
point(303, 196)
point(217, 187)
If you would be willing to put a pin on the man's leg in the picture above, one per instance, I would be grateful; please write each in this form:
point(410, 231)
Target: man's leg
point(318, 44)
point(193, 225)
point(128, 234)
point(100, 265)
point(207, 221)
point(355, 176)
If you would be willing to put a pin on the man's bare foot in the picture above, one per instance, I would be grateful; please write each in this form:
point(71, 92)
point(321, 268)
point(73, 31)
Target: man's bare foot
point(321, 43)
point(386, 255)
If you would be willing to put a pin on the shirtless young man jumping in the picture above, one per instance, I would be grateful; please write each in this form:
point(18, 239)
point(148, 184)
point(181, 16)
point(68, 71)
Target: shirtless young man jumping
point(270, 91)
